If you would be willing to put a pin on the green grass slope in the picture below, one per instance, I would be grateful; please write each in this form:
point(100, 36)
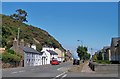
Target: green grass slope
point(29, 33)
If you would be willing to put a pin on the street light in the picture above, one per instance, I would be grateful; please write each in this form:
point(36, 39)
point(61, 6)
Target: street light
point(81, 42)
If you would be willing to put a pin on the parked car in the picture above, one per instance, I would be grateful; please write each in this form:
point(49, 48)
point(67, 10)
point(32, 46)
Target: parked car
point(55, 62)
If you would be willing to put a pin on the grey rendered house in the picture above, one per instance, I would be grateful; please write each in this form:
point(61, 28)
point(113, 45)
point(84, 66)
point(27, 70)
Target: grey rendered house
point(32, 57)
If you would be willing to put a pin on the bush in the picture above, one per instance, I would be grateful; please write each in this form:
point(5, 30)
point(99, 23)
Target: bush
point(11, 51)
point(103, 61)
point(95, 58)
point(10, 56)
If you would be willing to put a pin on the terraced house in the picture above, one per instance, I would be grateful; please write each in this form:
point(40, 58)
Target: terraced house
point(32, 57)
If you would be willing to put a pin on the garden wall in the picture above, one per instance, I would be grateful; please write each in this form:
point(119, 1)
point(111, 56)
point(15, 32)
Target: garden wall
point(103, 67)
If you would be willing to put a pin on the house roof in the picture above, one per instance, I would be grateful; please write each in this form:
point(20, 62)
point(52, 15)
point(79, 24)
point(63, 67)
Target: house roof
point(115, 41)
point(106, 47)
point(52, 52)
point(31, 50)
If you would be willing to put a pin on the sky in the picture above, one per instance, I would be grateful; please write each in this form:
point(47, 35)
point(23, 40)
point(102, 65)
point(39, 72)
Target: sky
point(93, 23)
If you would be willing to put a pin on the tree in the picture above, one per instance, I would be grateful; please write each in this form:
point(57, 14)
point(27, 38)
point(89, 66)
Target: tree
point(20, 15)
point(88, 56)
point(95, 57)
point(82, 52)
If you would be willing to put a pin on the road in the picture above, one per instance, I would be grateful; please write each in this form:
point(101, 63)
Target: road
point(51, 72)
point(38, 71)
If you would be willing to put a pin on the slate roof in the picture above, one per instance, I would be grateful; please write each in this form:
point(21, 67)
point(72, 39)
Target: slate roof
point(31, 50)
point(115, 41)
point(106, 47)
point(52, 52)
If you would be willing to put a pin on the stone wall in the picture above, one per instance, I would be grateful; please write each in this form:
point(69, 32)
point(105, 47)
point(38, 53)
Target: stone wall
point(103, 67)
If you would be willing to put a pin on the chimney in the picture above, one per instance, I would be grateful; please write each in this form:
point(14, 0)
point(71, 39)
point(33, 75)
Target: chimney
point(33, 46)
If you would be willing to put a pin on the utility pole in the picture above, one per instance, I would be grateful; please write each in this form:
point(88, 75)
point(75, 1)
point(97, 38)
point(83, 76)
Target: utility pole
point(18, 39)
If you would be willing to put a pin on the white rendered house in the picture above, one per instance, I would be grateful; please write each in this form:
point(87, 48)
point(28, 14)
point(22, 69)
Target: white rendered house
point(49, 54)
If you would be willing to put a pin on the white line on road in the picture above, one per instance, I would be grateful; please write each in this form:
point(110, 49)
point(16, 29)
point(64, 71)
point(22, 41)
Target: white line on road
point(61, 74)
point(64, 76)
point(14, 72)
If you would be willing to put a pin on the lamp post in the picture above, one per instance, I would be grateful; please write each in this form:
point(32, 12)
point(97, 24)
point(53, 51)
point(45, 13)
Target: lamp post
point(81, 42)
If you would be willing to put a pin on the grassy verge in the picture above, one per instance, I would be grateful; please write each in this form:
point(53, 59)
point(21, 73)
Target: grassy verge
point(103, 62)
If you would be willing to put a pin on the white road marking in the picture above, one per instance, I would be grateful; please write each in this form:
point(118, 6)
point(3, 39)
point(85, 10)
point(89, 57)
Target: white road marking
point(64, 75)
point(59, 68)
point(14, 72)
point(61, 74)
point(22, 71)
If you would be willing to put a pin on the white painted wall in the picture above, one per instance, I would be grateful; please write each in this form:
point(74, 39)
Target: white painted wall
point(47, 55)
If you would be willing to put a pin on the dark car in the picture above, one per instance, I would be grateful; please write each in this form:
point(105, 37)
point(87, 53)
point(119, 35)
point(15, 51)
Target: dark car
point(55, 62)
point(76, 62)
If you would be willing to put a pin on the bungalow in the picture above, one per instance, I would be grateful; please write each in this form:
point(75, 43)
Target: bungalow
point(115, 54)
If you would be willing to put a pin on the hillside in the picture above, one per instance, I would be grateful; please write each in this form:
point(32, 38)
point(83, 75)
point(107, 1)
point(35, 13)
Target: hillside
point(29, 33)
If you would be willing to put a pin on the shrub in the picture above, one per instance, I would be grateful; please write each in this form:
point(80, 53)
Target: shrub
point(11, 51)
point(103, 61)
point(10, 56)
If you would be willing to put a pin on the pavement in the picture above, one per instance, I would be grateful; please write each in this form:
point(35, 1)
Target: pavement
point(86, 72)
point(87, 69)
point(54, 72)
